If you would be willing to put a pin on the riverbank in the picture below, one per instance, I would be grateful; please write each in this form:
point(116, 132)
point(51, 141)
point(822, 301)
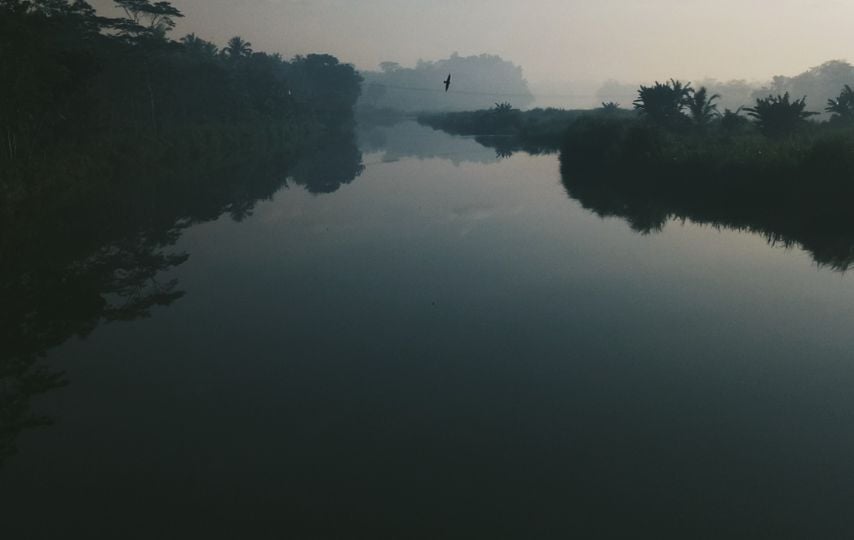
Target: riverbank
point(535, 128)
point(793, 190)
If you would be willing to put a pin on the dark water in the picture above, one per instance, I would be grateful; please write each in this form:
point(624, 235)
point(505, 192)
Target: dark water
point(450, 346)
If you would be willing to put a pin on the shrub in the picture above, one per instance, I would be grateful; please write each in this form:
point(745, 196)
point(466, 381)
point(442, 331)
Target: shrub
point(503, 107)
point(842, 108)
point(732, 121)
point(777, 116)
point(702, 107)
point(663, 103)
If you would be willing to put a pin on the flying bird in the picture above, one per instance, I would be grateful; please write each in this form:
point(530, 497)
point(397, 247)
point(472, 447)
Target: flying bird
point(448, 82)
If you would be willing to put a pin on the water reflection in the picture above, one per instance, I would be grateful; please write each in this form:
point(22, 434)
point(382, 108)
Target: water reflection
point(463, 339)
point(410, 139)
point(66, 269)
point(335, 161)
point(802, 216)
point(825, 231)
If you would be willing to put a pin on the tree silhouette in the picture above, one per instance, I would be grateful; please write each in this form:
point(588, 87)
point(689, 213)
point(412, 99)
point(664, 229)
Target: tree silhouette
point(663, 103)
point(842, 107)
point(237, 47)
point(701, 106)
point(732, 121)
point(502, 107)
point(196, 45)
point(146, 18)
point(778, 116)
point(821, 83)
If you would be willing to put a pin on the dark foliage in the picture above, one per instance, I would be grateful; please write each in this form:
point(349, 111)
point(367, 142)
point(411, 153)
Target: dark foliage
point(777, 116)
point(842, 108)
point(537, 129)
point(663, 103)
point(97, 258)
point(733, 122)
point(77, 85)
point(820, 83)
point(793, 191)
point(702, 107)
point(732, 173)
point(503, 107)
point(113, 138)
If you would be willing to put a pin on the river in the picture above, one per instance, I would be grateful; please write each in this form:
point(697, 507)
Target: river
point(447, 345)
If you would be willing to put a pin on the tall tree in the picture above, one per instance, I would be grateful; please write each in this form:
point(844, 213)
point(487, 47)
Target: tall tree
point(842, 107)
point(701, 106)
point(199, 46)
point(146, 18)
point(237, 47)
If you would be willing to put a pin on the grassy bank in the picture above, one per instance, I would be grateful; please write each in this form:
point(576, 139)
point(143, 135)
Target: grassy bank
point(537, 128)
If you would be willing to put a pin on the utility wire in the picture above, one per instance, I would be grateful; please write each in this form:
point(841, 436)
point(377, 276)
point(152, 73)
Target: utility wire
point(499, 94)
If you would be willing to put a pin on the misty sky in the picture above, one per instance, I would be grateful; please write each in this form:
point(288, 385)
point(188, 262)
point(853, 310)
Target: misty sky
point(553, 40)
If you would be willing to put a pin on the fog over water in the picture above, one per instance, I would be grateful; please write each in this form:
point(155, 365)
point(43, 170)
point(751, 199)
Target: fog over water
point(553, 40)
point(330, 269)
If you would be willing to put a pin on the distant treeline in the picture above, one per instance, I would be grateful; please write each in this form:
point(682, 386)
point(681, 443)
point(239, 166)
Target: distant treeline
point(672, 108)
point(83, 95)
point(818, 84)
point(476, 81)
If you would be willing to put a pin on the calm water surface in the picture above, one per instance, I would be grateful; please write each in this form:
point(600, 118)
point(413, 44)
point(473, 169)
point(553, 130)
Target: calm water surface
point(450, 346)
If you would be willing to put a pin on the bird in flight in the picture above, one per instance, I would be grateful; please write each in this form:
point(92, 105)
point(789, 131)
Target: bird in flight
point(448, 82)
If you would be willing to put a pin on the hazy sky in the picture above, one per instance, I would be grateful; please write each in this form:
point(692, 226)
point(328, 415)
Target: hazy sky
point(583, 40)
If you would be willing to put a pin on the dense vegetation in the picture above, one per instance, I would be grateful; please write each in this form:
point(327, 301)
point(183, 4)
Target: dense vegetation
point(533, 130)
point(113, 139)
point(86, 96)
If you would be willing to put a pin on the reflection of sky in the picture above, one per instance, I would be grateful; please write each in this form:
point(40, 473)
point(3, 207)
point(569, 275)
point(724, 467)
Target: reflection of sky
point(409, 139)
point(468, 336)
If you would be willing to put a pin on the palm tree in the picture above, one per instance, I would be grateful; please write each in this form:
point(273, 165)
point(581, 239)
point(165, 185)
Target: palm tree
point(663, 102)
point(503, 107)
point(237, 47)
point(198, 45)
point(843, 106)
point(732, 121)
point(777, 116)
point(701, 106)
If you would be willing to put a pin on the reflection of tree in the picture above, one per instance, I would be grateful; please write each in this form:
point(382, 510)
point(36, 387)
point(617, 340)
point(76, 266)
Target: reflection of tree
point(410, 139)
point(46, 305)
point(72, 266)
point(335, 161)
point(21, 379)
point(819, 224)
point(506, 146)
point(115, 138)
